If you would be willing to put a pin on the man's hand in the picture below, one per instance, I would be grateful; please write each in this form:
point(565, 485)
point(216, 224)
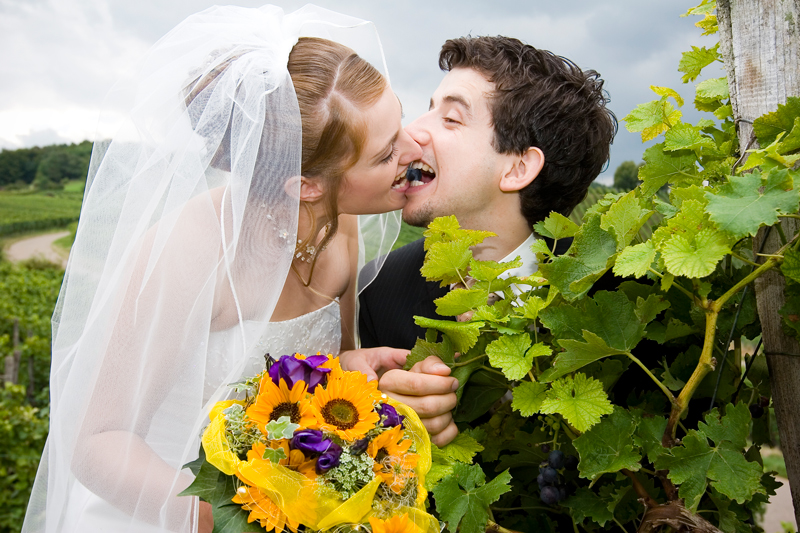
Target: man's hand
point(373, 361)
point(430, 391)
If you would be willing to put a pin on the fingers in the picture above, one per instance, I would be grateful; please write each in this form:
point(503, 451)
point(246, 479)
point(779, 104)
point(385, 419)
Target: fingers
point(417, 384)
point(431, 365)
point(429, 406)
point(357, 360)
point(446, 435)
point(373, 361)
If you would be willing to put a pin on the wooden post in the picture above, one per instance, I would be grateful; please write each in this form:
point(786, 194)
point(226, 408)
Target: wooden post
point(12, 360)
point(760, 45)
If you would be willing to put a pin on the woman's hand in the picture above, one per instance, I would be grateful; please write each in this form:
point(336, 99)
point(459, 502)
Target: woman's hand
point(205, 520)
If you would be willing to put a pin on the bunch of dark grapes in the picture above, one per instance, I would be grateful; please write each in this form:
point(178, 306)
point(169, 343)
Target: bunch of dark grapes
point(551, 486)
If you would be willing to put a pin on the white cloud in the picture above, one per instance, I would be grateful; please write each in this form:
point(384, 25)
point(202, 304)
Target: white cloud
point(61, 57)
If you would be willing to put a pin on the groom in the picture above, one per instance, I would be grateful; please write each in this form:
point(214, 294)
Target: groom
point(512, 133)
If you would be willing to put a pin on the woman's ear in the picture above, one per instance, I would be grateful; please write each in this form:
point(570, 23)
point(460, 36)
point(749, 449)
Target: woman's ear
point(523, 170)
point(310, 188)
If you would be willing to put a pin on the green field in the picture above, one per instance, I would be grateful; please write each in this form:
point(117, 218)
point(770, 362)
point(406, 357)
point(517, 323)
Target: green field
point(23, 212)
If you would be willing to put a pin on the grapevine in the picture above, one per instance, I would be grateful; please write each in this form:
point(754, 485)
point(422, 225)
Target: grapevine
point(612, 393)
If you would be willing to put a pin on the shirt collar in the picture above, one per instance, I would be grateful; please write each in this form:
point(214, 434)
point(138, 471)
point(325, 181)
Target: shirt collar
point(529, 263)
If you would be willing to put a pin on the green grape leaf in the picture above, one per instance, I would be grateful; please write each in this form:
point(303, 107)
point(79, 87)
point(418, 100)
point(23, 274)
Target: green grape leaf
point(733, 427)
point(274, 455)
point(694, 61)
point(446, 262)
point(462, 449)
point(693, 463)
point(713, 89)
point(531, 308)
point(556, 226)
point(447, 229)
point(652, 118)
point(424, 349)
point(463, 335)
point(674, 329)
point(585, 503)
point(463, 498)
point(635, 260)
point(682, 258)
point(577, 355)
point(528, 397)
point(741, 206)
point(667, 92)
point(580, 400)
point(647, 309)
point(648, 436)
point(607, 446)
point(435, 475)
point(624, 218)
point(591, 254)
point(768, 127)
point(491, 270)
point(282, 428)
point(791, 142)
point(539, 246)
point(459, 301)
point(608, 315)
point(662, 167)
point(510, 354)
point(723, 112)
point(687, 137)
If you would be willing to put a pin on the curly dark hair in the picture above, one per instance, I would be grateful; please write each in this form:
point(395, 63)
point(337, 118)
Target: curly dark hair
point(542, 100)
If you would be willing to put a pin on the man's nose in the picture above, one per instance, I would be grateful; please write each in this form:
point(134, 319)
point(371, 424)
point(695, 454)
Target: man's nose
point(411, 150)
point(419, 131)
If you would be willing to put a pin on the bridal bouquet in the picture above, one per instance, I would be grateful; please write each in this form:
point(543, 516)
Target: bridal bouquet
point(317, 448)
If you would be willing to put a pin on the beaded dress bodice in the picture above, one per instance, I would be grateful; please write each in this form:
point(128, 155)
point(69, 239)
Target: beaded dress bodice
point(317, 331)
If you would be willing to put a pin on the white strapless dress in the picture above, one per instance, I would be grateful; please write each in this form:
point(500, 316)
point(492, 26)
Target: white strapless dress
point(318, 331)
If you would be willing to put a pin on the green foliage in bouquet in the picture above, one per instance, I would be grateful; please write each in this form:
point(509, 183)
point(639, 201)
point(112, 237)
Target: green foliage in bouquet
point(596, 409)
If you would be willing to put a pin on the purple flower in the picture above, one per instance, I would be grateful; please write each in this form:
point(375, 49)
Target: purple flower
point(359, 446)
point(310, 440)
point(329, 459)
point(390, 416)
point(292, 370)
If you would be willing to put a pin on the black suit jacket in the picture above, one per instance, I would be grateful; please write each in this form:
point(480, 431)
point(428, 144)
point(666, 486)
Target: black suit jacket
point(388, 305)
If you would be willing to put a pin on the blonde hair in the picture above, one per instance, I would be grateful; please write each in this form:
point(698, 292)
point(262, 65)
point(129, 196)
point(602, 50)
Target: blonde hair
point(333, 86)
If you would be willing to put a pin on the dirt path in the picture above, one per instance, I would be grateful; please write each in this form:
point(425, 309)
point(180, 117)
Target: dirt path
point(39, 246)
point(779, 510)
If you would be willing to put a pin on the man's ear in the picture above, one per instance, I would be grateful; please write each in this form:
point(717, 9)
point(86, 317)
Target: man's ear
point(310, 188)
point(523, 171)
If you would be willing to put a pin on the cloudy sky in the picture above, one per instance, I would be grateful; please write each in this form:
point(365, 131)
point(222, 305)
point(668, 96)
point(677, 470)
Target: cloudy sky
point(60, 57)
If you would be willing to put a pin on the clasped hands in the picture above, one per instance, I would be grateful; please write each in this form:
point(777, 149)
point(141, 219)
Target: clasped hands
point(427, 387)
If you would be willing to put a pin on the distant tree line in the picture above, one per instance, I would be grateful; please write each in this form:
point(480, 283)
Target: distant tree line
point(48, 167)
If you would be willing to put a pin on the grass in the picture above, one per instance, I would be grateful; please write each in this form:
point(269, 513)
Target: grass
point(25, 212)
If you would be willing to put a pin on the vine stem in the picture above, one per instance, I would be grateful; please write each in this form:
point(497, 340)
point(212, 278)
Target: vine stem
point(706, 362)
point(657, 381)
point(744, 260)
point(675, 284)
point(640, 490)
point(465, 363)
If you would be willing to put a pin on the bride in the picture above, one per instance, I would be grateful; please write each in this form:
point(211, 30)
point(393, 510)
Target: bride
point(224, 223)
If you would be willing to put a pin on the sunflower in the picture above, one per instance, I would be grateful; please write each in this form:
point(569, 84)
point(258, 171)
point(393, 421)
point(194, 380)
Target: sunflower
point(393, 463)
point(263, 509)
point(344, 407)
point(335, 366)
point(395, 524)
point(274, 401)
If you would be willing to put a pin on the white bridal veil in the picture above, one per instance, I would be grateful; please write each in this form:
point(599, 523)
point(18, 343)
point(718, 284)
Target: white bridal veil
point(189, 204)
